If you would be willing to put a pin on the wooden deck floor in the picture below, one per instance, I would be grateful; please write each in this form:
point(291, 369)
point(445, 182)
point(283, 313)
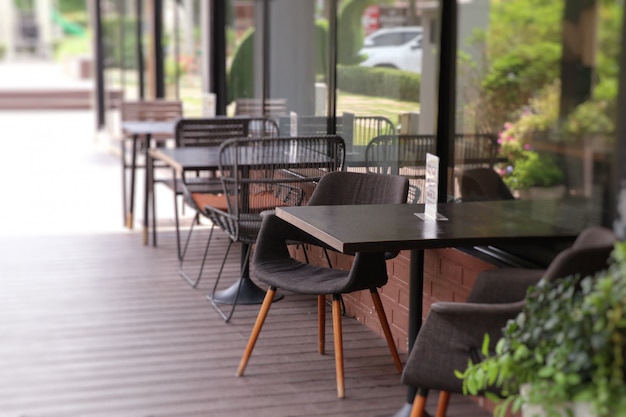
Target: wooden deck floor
point(96, 324)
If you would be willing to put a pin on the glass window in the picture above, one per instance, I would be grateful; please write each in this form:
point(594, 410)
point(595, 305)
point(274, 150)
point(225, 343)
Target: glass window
point(379, 73)
point(536, 101)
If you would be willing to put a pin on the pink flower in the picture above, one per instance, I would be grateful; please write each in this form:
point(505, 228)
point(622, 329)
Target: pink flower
point(526, 147)
point(508, 125)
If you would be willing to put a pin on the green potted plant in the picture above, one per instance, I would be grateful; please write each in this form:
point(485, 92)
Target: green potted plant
point(565, 353)
point(532, 173)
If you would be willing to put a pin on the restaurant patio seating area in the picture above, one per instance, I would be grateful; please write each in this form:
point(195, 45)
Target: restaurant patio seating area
point(97, 324)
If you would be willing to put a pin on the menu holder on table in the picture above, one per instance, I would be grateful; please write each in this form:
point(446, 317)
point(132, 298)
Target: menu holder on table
point(432, 185)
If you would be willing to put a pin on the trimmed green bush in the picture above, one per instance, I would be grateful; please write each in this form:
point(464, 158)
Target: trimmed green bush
point(379, 82)
point(350, 31)
point(321, 47)
point(240, 76)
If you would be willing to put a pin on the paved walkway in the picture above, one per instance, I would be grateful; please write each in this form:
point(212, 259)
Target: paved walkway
point(58, 178)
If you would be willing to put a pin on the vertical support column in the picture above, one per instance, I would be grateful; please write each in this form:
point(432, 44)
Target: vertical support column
point(43, 10)
point(579, 52)
point(218, 55)
point(189, 46)
point(139, 43)
point(615, 211)
point(98, 52)
point(8, 27)
point(446, 100)
point(291, 55)
point(159, 62)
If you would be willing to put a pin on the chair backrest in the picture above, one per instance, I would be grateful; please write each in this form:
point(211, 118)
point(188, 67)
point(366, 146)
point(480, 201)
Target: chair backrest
point(401, 155)
point(483, 184)
point(269, 107)
point(310, 125)
point(259, 174)
point(263, 127)
point(346, 187)
point(210, 131)
point(588, 255)
point(595, 236)
point(153, 110)
point(475, 150)
point(368, 127)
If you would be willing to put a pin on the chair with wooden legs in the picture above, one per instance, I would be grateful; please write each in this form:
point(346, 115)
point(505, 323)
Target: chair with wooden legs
point(453, 332)
point(273, 265)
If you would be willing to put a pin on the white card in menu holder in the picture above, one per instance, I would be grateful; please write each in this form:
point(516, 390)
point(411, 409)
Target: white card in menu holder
point(431, 191)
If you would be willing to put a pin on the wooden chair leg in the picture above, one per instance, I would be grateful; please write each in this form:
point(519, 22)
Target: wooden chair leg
point(338, 346)
point(442, 406)
point(265, 308)
point(321, 324)
point(382, 317)
point(419, 404)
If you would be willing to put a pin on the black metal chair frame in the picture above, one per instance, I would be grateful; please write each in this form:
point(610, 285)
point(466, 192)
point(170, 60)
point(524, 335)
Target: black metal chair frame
point(290, 179)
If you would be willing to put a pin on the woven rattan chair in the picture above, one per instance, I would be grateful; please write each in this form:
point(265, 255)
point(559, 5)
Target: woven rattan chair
point(259, 174)
point(269, 107)
point(273, 265)
point(194, 132)
point(401, 155)
point(453, 332)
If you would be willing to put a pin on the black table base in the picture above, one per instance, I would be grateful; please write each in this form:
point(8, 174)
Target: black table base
point(249, 293)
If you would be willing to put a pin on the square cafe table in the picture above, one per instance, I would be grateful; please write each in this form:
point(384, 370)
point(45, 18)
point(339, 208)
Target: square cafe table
point(392, 227)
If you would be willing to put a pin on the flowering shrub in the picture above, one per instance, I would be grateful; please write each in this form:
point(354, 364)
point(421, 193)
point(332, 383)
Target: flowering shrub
point(525, 167)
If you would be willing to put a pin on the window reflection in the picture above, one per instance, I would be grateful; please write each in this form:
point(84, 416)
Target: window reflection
point(541, 76)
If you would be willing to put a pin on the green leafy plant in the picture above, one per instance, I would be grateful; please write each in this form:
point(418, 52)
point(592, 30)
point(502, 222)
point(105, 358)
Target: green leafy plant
point(568, 345)
point(589, 118)
point(533, 169)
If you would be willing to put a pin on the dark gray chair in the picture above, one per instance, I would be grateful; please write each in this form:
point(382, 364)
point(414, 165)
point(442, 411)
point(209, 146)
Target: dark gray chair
point(483, 184)
point(274, 266)
point(453, 333)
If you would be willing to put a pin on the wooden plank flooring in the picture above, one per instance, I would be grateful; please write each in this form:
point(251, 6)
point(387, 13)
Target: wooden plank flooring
point(96, 324)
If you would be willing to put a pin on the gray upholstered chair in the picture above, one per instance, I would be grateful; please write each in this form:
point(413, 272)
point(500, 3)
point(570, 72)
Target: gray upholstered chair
point(453, 333)
point(273, 265)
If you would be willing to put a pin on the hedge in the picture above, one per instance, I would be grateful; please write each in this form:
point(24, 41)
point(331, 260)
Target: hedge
point(379, 82)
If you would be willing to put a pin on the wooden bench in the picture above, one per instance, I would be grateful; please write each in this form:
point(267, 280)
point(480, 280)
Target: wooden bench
point(55, 99)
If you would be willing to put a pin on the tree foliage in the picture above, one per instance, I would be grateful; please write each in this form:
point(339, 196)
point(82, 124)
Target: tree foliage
point(350, 31)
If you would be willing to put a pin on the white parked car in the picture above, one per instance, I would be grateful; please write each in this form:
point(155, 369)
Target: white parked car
point(397, 47)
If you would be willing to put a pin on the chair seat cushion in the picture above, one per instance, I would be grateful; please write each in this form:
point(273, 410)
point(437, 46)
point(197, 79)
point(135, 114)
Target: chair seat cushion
point(292, 275)
point(217, 201)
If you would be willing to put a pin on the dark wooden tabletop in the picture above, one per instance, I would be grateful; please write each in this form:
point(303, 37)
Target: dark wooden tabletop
point(371, 228)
